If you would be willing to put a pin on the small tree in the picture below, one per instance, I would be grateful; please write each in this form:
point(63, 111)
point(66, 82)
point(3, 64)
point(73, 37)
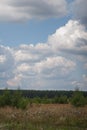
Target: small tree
point(5, 99)
point(16, 98)
point(78, 99)
point(63, 100)
point(23, 103)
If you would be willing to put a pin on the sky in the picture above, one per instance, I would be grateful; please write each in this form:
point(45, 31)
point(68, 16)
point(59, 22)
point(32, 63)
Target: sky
point(43, 44)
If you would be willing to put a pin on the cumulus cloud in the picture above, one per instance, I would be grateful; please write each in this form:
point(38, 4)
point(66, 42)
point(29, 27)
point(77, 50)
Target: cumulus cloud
point(54, 66)
point(22, 10)
point(46, 67)
point(79, 8)
point(26, 56)
point(32, 52)
point(6, 65)
point(70, 38)
point(2, 58)
point(6, 59)
point(47, 64)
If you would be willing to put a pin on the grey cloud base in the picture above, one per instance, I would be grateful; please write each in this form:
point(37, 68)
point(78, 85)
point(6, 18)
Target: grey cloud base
point(23, 10)
point(79, 8)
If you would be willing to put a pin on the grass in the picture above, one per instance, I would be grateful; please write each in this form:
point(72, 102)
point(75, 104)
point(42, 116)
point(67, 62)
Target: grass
point(44, 117)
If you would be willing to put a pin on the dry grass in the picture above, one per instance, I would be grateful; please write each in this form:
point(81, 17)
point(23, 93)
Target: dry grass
point(56, 115)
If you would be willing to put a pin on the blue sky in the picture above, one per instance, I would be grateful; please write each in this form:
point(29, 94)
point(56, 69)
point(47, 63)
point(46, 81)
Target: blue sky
point(43, 44)
point(32, 31)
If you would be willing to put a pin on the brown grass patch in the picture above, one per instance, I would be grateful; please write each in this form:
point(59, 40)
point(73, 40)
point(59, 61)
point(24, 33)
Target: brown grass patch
point(53, 114)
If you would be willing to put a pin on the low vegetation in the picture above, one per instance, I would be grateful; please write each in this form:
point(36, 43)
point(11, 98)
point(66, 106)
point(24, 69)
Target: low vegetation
point(78, 99)
point(18, 112)
point(44, 117)
point(18, 100)
point(13, 99)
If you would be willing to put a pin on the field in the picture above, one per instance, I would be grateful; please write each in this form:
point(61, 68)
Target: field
point(44, 117)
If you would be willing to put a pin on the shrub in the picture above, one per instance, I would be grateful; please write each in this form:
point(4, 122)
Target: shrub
point(61, 99)
point(78, 99)
point(16, 98)
point(36, 100)
point(23, 103)
point(5, 99)
point(2, 102)
point(13, 99)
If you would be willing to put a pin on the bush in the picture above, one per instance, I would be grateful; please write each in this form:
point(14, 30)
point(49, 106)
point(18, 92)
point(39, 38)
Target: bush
point(2, 102)
point(13, 99)
point(5, 99)
point(16, 98)
point(60, 100)
point(23, 103)
point(63, 100)
point(36, 100)
point(78, 99)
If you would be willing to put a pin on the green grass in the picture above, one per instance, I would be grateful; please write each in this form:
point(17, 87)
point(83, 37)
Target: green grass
point(30, 126)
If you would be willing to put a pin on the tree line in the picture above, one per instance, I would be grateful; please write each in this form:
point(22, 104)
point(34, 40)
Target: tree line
point(22, 98)
point(44, 93)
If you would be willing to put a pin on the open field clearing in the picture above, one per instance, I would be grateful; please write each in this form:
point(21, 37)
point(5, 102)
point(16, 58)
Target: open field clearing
point(44, 117)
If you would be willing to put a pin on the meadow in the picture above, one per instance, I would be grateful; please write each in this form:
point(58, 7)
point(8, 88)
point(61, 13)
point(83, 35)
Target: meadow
point(44, 117)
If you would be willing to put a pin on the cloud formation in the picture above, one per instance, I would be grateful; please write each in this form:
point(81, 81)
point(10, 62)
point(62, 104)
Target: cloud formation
point(71, 38)
point(80, 10)
point(22, 10)
point(45, 65)
point(6, 58)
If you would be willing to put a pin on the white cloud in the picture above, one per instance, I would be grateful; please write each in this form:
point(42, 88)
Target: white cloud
point(6, 59)
point(71, 38)
point(22, 55)
point(23, 67)
point(15, 82)
point(2, 58)
point(22, 10)
point(47, 68)
point(47, 64)
point(6, 65)
point(54, 66)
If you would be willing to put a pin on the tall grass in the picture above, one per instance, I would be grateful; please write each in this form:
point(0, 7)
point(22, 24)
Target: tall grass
point(44, 117)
